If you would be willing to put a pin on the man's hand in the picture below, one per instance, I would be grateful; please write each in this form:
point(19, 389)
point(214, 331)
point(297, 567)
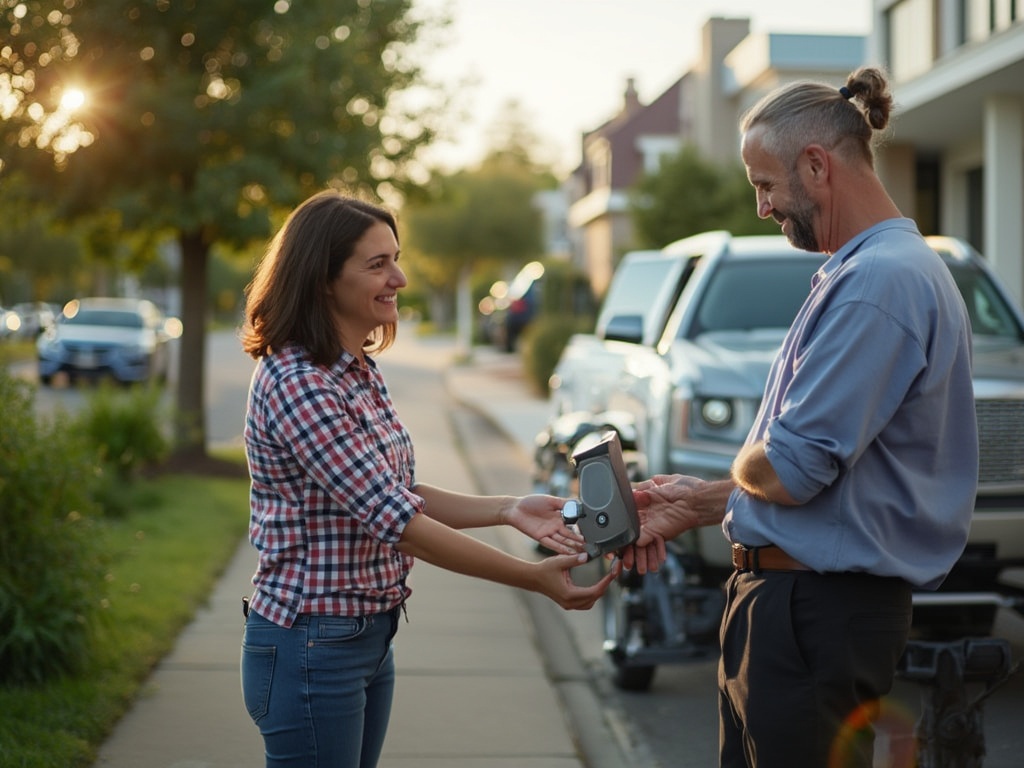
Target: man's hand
point(668, 506)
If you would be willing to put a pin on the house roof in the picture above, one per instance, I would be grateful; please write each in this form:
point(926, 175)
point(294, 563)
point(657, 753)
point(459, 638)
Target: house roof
point(761, 52)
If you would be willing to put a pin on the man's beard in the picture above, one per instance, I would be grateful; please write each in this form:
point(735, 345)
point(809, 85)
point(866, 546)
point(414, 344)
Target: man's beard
point(800, 216)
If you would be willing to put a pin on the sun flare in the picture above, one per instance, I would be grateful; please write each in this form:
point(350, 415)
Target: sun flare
point(73, 98)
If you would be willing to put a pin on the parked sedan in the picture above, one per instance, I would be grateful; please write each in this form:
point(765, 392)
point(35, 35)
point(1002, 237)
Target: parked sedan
point(123, 338)
point(513, 306)
point(9, 322)
point(36, 317)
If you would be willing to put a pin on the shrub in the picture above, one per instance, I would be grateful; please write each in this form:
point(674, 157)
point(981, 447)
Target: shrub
point(51, 571)
point(543, 342)
point(126, 428)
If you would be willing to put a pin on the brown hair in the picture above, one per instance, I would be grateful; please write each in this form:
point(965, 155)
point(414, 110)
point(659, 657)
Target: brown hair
point(805, 113)
point(286, 302)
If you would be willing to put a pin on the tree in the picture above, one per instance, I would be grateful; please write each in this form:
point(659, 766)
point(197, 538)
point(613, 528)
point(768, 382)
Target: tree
point(201, 120)
point(38, 259)
point(473, 218)
point(688, 195)
point(479, 217)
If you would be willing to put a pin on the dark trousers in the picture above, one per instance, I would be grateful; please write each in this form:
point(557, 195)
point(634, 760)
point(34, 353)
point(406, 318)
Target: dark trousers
point(805, 660)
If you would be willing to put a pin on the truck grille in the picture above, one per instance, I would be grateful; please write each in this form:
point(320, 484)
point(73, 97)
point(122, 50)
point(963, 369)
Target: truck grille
point(1001, 438)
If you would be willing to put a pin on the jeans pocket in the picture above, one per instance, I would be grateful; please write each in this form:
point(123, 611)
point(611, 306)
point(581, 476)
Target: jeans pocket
point(340, 629)
point(257, 675)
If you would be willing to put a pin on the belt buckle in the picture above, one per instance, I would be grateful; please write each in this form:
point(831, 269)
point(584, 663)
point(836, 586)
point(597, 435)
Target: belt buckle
point(750, 559)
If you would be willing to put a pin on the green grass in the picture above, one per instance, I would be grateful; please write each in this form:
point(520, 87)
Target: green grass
point(166, 553)
point(12, 350)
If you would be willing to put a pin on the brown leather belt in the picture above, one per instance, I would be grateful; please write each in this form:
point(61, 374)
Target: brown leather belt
point(764, 559)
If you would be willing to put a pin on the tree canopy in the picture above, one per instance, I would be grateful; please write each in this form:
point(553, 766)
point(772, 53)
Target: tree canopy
point(486, 214)
point(688, 195)
point(200, 120)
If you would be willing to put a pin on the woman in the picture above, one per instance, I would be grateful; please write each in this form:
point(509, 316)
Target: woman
point(336, 513)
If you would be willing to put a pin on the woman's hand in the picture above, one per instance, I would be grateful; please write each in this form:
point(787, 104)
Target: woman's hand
point(540, 518)
point(556, 582)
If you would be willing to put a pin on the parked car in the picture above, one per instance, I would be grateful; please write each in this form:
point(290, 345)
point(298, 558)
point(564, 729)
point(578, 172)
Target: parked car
point(9, 323)
point(677, 367)
point(510, 308)
point(513, 305)
point(123, 338)
point(36, 317)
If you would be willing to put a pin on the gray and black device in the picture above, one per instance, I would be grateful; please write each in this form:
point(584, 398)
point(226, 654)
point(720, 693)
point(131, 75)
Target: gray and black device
point(605, 513)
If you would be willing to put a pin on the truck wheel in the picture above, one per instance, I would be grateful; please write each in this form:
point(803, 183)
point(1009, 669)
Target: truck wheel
point(625, 632)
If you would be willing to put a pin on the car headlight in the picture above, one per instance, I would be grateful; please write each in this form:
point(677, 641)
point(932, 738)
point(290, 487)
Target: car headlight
point(716, 413)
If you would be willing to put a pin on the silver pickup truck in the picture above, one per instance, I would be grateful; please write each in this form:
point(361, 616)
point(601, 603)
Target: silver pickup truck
point(677, 367)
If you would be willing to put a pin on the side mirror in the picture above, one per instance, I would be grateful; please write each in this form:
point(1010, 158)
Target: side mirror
point(629, 328)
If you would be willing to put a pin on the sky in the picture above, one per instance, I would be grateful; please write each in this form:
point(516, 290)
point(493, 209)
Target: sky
point(566, 62)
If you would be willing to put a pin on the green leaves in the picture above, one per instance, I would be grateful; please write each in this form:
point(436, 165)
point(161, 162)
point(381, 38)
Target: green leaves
point(51, 574)
point(203, 121)
point(689, 195)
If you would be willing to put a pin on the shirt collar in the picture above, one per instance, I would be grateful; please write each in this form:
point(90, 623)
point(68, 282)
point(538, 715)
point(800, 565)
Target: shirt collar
point(347, 362)
point(854, 243)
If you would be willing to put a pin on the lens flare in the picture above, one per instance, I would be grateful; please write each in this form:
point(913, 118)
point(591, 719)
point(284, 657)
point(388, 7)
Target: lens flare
point(895, 742)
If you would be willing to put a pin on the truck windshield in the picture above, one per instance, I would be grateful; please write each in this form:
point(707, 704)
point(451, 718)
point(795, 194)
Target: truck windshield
point(753, 295)
point(748, 295)
point(989, 313)
point(641, 290)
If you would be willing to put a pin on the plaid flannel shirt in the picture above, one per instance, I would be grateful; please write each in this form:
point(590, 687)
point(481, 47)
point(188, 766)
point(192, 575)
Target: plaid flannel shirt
point(331, 468)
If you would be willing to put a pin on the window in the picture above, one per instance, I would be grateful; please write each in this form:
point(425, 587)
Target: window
point(990, 316)
point(1004, 13)
point(599, 155)
point(977, 19)
point(748, 295)
point(927, 177)
point(983, 18)
point(912, 37)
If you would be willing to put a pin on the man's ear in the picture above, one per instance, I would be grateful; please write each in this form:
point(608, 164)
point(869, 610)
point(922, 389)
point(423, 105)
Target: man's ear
point(816, 161)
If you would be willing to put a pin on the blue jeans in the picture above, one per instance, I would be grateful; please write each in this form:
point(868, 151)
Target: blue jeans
point(321, 691)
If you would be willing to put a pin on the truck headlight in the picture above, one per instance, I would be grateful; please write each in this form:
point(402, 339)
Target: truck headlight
point(716, 413)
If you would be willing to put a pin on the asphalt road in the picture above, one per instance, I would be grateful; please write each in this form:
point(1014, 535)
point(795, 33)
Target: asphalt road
point(228, 370)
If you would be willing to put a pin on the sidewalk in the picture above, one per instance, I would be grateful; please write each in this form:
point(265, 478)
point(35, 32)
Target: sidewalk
point(480, 684)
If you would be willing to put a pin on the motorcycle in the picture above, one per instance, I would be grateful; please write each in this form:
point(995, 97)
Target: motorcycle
point(670, 616)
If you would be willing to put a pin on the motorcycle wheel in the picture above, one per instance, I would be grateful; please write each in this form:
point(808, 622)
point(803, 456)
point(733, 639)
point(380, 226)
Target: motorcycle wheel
point(625, 631)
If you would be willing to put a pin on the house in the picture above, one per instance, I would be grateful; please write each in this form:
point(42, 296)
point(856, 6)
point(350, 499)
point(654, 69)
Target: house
point(955, 158)
point(614, 156)
point(702, 108)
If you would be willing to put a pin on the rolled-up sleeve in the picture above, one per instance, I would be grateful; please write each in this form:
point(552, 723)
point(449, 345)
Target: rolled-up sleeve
point(846, 385)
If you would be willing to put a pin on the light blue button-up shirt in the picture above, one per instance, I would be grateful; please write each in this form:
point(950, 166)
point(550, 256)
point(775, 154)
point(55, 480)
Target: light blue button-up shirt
point(868, 417)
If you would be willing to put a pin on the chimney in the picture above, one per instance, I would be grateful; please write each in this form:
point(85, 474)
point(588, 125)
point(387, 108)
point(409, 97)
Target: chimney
point(631, 100)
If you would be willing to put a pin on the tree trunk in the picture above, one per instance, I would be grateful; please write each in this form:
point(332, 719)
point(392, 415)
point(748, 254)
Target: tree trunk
point(440, 308)
point(464, 314)
point(190, 422)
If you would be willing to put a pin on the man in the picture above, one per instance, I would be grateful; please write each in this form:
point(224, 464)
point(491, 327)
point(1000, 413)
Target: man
point(857, 480)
